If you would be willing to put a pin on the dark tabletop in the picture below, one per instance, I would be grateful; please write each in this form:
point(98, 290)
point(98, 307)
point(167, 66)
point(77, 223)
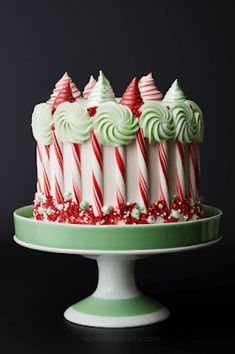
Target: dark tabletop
point(197, 287)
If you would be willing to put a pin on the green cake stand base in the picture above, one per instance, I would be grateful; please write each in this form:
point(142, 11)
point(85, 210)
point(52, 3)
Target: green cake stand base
point(116, 302)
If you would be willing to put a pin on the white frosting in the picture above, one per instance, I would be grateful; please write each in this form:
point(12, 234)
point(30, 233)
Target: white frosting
point(101, 92)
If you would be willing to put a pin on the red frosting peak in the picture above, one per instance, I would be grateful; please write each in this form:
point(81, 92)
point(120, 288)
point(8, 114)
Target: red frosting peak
point(65, 95)
point(132, 97)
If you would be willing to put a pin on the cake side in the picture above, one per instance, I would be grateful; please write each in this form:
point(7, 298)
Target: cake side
point(106, 161)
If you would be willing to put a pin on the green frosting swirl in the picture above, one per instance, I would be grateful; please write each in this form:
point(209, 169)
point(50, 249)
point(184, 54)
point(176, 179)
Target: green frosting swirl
point(101, 92)
point(157, 122)
point(198, 116)
point(115, 124)
point(174, 94)
point(72, 123)
point(42, 123)
point(185, 124)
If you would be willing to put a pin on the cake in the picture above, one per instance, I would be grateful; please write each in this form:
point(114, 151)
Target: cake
point(103, 160)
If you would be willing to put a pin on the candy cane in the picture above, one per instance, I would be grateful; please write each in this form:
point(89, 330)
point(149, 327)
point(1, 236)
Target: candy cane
point(57, 169)
point(43, 169)
point(97, 174)
point(163, 172)
point(72, 170)
point(142, 157)
point(39, 169)
point(194, 170)
point(120, 171)
point(180, 169)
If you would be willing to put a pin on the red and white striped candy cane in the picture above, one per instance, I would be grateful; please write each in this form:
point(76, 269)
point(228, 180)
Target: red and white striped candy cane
point(97, 174)
point(57, 169)
point(180, 169)
point(43, 169)
point(194, 170)
point(163, 172)
point(72, 170)
point(40, 181)
point(143, 178)
point(120, 171)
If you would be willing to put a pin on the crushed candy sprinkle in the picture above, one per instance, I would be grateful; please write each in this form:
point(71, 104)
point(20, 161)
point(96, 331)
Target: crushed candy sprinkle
point(47, 209)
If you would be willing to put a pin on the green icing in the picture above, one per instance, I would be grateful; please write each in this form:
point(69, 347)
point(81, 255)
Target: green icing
point(101, 92)
point(185, 124)
point(72, 123)
point(42, 123)
point(115, 124)
point(198, 116)
point(157, 122)
point(187, 115)
point(174, 94)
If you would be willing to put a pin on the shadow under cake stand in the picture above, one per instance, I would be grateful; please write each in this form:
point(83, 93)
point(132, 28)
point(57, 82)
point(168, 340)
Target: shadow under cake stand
point(116, 302)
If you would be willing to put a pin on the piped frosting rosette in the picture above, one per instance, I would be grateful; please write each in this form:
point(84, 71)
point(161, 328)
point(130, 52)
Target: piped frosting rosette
point(72, 123)
point(148, 89)
point(157, 122)
point(42, 123)
point(62, 83)
point(185, 123)
point(89, 86)
point(198, 117)
point(101, 92)
point(174, 94)
point(115, 124)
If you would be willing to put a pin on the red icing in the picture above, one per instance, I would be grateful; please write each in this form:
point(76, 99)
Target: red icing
point(132, 97)
point(92, 111)
point(65, 95)
point(69, 212)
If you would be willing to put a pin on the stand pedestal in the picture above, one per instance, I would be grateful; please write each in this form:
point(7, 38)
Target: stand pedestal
point(116, 302)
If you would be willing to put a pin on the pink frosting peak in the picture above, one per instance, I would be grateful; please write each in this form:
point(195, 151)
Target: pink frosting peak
point(61, 84)
point(148, 89)
point(64, 95)
point(89, 86)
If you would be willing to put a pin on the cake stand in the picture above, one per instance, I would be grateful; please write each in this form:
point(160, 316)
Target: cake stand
point(116, 302)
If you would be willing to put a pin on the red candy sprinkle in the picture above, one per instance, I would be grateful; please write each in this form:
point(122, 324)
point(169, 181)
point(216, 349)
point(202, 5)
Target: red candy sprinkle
point(46, 208)
point(92, 111)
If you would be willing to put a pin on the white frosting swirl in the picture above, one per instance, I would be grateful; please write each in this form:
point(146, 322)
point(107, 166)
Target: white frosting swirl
point(198, 116)
point(157, 122)
point(115, 124)
point(174, 94)
point(101, 92)
point(42, 123)
point(72, 123)
point(185, 124)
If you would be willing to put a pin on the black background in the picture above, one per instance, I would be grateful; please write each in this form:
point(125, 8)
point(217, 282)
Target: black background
point(190, 40)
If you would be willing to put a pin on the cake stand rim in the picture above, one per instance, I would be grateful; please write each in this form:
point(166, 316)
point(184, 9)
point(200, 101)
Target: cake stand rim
point(138, 239)
point(137, 252)
point(218, 211)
